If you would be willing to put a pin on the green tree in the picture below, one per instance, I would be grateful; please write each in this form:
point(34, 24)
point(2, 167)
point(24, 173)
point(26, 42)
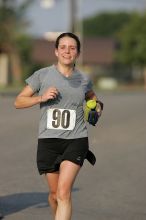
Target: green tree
point(105, 24)
point(12, 21)
point(132, 39)
point(12, 33)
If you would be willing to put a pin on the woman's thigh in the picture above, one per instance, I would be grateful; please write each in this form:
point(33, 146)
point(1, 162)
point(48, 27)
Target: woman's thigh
point(52, 180)
point(67, 175)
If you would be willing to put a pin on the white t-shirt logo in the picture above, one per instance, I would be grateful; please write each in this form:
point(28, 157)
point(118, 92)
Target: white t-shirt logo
point(63, 119)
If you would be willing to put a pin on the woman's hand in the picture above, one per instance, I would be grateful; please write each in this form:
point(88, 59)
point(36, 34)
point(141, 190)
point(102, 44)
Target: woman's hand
point(50, 93)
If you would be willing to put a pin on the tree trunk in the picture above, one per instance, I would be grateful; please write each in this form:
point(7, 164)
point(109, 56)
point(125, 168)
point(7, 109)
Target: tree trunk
point(4, 70)
point(16, 68)
point(144, 75)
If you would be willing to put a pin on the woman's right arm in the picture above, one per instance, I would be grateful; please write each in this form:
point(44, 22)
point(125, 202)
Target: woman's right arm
point(26, 99)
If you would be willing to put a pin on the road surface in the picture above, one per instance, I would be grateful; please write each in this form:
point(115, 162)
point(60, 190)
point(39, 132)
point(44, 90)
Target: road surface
point(114, 189)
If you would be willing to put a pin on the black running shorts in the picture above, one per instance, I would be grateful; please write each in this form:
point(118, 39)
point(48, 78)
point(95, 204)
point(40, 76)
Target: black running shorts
point(52, 151)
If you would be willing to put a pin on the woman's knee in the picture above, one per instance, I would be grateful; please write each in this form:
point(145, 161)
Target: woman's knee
point(52, 196)
point(63, 194)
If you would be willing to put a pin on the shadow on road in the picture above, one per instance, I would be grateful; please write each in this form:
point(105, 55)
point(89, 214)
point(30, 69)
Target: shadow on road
point(17, 202)
point(10, 204)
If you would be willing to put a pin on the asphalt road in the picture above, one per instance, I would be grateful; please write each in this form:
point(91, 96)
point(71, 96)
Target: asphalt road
point(114, 189)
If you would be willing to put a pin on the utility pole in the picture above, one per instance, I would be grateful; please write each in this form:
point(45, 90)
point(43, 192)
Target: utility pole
point(73, 17)
point(75, 23)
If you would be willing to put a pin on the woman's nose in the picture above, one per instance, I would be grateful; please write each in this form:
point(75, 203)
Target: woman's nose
point(67, 49)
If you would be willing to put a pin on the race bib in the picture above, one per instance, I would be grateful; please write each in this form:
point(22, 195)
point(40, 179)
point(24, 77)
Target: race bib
point(63, 119)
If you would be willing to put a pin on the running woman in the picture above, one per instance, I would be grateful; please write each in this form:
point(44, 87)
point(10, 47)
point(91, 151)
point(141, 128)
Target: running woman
point(61, 90)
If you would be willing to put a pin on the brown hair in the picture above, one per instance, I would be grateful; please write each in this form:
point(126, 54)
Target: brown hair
point(68, 34)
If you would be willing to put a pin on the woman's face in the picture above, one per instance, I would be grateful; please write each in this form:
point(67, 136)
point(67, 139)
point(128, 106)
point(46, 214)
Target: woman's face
point(67, 51)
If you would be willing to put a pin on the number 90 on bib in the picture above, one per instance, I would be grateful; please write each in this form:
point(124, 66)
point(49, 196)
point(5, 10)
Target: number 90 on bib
point(63, 119)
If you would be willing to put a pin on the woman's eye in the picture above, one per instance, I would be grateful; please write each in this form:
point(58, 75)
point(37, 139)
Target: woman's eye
point(62, 47)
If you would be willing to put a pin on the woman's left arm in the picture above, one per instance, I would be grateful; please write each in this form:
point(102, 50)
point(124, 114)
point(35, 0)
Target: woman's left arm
point(90, 95)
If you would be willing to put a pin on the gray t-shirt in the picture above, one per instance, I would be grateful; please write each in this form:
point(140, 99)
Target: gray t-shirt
point(62, 117)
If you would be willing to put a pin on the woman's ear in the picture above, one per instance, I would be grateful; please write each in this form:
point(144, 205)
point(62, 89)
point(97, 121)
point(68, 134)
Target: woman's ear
point(56, 52)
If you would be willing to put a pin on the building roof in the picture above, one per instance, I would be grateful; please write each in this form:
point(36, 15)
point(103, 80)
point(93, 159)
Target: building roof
point(99, 51)
point(94, 51)
point(43, 51)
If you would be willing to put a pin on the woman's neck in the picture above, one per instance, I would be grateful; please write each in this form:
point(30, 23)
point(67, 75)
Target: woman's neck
point(64, 69)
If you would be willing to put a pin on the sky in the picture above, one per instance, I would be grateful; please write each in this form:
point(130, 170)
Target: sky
point(57, 18)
